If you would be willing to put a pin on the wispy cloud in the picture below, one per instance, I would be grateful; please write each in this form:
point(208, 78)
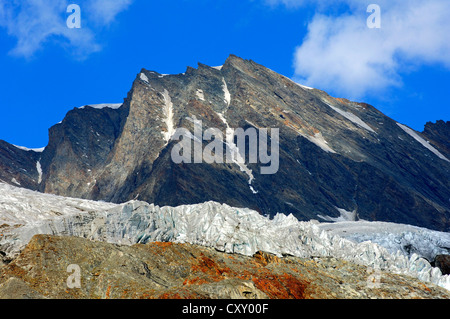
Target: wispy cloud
point(104, 12)
point(341, 53)
point(35, 23)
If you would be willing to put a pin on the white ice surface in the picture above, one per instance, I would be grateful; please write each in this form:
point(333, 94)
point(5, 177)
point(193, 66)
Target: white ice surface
point(232, 230)
point(407, 239)
point(20, 206)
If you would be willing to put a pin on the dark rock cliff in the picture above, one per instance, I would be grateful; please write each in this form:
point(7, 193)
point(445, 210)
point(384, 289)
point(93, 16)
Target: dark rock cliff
point(439, 135)
point(333, 153)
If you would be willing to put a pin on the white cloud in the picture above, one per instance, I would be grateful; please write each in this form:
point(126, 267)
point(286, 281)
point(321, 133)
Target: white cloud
point(321, 4)
point(287, 3)
point(340, 53)
point(35, 23)
point(105, 11)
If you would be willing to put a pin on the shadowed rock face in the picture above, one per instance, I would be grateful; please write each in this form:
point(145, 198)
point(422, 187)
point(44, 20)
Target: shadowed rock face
point(334, 153)
point(166, 270)
point(439, 135)
point(17, 166)
point(443, 263)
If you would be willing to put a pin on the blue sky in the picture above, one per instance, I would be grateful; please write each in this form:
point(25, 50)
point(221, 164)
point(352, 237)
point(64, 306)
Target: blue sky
point(47, 69)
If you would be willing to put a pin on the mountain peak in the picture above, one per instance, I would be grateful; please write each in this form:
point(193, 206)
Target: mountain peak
point(334, 154)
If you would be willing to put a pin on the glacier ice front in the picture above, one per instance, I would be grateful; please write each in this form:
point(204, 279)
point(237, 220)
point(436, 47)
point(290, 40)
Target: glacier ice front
point(232, 230)
point(407, 239)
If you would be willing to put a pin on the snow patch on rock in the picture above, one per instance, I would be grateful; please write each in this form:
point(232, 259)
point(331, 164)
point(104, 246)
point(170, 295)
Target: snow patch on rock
point(227, 95)
point(320, 141)
point(425, 143)
point(143, 77)
point(37, 150)
point(168, 114)
point(352, 117)
point(345, 216)
point(39, 170)
point(235, 154)
point(200, 95)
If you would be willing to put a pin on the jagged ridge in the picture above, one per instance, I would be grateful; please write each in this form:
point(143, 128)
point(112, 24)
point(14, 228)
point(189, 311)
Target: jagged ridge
point(334, 154)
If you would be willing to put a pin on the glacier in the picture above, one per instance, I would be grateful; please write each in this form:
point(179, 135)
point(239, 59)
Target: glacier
point(25, 213)
point(407, 239)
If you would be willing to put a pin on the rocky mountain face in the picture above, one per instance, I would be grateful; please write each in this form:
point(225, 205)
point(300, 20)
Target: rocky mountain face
point(168, 271)
point(439, 134)
point(18, 166)
point(334, 155)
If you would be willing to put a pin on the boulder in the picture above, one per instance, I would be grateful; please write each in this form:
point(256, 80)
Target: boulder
point(443, 263)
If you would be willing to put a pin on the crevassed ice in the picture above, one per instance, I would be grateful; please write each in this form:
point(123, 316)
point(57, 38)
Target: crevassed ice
point(228, 229)
point(394, 237)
